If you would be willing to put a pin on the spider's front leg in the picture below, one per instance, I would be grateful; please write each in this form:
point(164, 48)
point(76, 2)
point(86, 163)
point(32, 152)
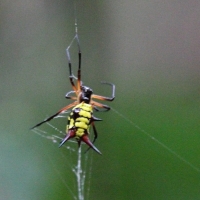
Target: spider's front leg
point(56, 114)
point(71, 76)
point(103, 98)
point(68, 95)
point(100, 105)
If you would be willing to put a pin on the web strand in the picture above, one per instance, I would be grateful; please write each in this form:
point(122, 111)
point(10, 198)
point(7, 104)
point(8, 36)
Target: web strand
point(80, 171)
point(157, 141)
point(75, 18)
point(79, 168)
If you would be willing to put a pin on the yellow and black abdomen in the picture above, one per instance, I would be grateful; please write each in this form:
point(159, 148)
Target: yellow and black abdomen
point(80, 119)
point(78, 125)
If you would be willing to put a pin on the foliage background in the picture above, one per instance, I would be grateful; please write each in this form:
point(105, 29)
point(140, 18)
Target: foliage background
point(149, 49)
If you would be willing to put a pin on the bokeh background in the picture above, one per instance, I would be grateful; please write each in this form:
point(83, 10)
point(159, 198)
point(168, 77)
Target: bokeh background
point(149, 49)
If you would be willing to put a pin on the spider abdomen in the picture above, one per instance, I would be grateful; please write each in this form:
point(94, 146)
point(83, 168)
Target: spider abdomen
point(78, 126)
point(79, 119)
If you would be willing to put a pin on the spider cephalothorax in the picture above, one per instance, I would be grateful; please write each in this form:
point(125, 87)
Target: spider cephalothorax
point(81, 117)
point(85, 94)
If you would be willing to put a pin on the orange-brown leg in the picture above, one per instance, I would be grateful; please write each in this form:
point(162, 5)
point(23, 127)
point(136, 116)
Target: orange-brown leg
point(53, 116)
point(103, 98)
point(94, 103)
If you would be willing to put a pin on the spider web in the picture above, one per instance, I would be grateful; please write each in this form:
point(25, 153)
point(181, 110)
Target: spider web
point(147, 134)
point(81, 167)
point(80, 164)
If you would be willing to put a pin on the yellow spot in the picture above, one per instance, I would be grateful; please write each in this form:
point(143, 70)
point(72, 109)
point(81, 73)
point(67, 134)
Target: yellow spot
point(83, 119)
point(85, 114)
point(87, 107)
point(84, 106)
point(80, 132)
point(81, 125)
point(71, 123)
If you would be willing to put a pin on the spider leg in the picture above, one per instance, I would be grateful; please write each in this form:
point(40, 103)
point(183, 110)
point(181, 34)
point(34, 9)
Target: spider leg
point(60, 111)
point(103, 98)
point(71, 76)
point(94, 104)
point(95, 134)
point(67, 96)
point(96, 109)
point(79, 65)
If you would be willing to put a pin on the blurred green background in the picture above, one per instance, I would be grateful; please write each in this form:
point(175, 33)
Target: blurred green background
point(149, 49)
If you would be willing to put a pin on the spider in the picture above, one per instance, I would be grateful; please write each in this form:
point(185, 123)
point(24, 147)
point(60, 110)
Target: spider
point(81, 116)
